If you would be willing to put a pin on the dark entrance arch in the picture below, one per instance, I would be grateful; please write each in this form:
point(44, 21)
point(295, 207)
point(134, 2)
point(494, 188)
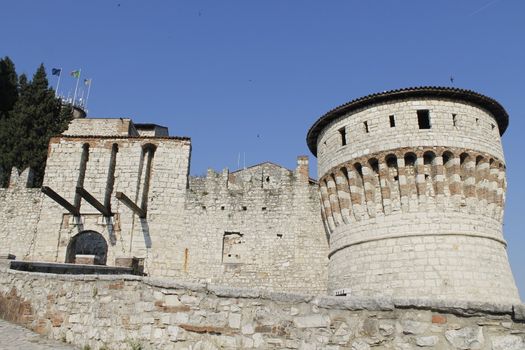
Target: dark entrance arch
point(90, 243)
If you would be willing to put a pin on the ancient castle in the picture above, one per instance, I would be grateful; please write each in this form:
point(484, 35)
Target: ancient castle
point(408, 206)
point(409, 202)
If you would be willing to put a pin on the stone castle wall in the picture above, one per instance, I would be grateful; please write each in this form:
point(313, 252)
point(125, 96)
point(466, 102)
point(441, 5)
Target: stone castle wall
point(255, 227)
point(118, 312)
point(20, 210)
point(415, 209)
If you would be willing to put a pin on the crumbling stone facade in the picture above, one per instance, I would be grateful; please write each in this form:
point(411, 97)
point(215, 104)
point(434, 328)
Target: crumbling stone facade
point(413, 187)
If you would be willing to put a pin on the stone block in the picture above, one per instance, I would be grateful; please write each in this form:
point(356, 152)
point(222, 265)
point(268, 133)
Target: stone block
point(508, 342)
point(466, 338)
point(85, 259)
point(427, 341)
point(312, 321)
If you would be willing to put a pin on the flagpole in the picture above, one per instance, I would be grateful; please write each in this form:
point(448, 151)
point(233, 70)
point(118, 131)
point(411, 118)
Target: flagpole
point(89, 88)
point(58, 83)
point(76, 88)
point(82, 98)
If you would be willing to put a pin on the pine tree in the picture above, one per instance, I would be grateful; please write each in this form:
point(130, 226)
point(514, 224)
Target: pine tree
point(36, 117)
point(8, 86)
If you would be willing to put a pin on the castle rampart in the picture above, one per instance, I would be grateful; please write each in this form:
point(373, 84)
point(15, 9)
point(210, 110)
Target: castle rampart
point(258, 226)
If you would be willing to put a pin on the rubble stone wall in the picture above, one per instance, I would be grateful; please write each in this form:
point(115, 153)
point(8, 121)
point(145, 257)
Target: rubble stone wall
point(257, 227)
point(125, 312)
point(19, 213)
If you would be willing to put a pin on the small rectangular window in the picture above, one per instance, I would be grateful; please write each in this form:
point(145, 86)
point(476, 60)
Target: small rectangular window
point(392, 121)
point(342, 132)
point(423, 119)
point(477, 121)
point(454, 120)
point(365, 124)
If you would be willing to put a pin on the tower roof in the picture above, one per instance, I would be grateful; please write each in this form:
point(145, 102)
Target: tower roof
point(487, 103)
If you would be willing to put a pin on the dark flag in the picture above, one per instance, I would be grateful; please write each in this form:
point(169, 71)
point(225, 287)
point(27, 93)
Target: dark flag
point(56, 71)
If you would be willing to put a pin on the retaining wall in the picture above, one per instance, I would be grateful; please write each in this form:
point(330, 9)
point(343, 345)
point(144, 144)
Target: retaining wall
point(119, 312)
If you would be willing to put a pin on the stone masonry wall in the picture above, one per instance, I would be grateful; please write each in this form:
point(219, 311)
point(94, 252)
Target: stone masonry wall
point(125, 312)
point(19, 213)
point(102, 127)
point(257, 227)
point(413, 193)
point(470, 128)
point(127, 235)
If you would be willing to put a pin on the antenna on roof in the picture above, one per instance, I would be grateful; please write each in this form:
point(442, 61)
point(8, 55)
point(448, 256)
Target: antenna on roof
point(244, 160)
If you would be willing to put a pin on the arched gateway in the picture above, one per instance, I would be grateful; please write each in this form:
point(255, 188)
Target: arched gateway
point(87, 243)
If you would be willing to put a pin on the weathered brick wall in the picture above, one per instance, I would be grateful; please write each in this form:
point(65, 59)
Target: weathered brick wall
point(113, 312)
point(416, 211)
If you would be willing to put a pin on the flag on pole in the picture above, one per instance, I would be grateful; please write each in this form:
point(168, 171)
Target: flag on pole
point(56, 71)
point(87, 82)
point(75, 73)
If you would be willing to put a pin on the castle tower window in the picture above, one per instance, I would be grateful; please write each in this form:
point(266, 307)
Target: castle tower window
point(342, 132)
point(392, 121)
point(423, 119)
point(365, 125)
point(454, 120)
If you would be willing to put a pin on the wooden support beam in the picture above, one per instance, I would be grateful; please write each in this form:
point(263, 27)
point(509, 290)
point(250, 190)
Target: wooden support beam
point(92, 200)
point(131, 205)
point(60, 200)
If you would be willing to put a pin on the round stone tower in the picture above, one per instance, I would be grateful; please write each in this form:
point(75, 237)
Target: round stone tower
point(412, 185)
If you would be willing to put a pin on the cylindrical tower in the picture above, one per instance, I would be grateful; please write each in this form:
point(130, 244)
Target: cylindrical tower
point(412, 184)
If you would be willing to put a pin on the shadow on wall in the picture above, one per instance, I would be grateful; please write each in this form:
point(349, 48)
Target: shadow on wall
point(17, 178)
point(87, 243)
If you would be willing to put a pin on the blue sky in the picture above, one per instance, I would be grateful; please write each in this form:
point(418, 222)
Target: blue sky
point(250, 77)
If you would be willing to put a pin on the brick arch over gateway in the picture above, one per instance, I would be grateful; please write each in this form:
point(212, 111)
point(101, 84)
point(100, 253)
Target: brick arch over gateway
point(88, 243)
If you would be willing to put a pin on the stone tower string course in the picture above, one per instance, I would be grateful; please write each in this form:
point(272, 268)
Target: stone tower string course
point(412, 184)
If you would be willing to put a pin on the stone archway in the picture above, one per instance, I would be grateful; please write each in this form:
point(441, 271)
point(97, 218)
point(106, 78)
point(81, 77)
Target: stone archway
point(88, 243)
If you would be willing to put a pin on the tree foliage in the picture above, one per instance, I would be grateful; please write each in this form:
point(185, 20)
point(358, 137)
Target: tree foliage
point(26, 128)
point(8, 86)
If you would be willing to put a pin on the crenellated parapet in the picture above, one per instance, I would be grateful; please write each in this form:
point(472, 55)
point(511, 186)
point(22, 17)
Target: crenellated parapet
point(413, 179)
